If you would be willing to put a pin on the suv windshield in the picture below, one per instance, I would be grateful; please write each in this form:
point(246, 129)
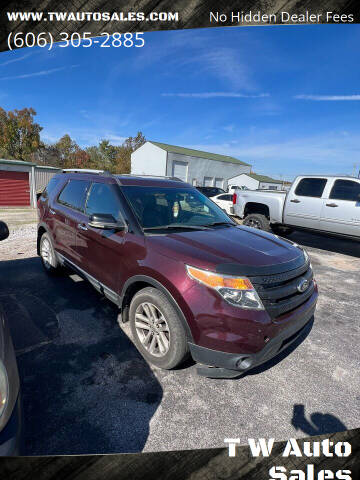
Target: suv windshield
point(177, 208)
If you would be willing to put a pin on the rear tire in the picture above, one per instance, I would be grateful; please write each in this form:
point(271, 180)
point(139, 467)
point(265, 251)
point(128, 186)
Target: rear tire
point(157, 330)
point(48, 256)
point(256, 220)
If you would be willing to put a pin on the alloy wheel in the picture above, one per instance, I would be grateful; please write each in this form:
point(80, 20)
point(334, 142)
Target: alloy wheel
point(47, 253)
point(152, 329)
point(253, 223)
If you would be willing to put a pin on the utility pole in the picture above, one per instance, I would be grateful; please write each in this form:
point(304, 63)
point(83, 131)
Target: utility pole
point(282, 181)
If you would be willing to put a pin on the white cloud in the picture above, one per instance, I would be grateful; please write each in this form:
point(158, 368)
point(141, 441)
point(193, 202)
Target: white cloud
point(214, 95)
point(84, 137)
point(331, 98)
point(16, 59)
point(328, 152)
point(37, 74)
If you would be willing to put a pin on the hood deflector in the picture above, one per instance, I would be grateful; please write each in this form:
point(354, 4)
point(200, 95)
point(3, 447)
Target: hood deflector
point(255, 270)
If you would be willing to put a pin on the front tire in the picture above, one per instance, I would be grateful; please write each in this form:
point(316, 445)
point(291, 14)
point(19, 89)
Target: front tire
point(48, 256)
point(256, 220)
point(157, 330)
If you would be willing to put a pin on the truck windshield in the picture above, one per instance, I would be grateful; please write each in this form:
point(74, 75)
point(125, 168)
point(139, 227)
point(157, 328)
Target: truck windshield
point(174, 208)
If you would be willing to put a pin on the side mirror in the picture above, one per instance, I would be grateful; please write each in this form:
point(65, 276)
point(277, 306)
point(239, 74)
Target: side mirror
point(105, 221)
point(4, 231)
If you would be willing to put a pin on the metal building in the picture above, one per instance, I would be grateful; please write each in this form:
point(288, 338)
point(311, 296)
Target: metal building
point(253, 181)
point(193, 166)
point(21, 182)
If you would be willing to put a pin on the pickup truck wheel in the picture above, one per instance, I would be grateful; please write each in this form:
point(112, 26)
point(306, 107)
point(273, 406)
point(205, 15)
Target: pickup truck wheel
point(256, 220)
point(48, 255)
point(157, 329)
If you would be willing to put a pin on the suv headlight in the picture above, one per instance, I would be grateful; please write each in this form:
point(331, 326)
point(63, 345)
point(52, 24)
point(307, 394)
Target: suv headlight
point(237, 291)
point(4, 388)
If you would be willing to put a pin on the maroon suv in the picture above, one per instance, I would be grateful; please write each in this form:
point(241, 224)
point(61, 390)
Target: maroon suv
point(186, 277)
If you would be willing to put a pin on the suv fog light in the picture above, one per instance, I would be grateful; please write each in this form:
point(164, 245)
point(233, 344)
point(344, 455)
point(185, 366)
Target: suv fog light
point(4, 388)
point(244, 363)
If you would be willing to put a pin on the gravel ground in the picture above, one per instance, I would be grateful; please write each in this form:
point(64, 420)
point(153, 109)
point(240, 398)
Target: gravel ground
point(86, 389)
point(20, 243)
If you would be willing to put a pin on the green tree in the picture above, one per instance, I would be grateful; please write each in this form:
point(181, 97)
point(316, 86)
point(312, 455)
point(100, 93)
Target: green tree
point(95, 158)
point(108, 154)
point(123, 158)
point(66, 148)
point(19, 133)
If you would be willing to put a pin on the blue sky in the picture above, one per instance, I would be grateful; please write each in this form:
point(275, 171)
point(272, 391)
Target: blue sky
point(285, 99)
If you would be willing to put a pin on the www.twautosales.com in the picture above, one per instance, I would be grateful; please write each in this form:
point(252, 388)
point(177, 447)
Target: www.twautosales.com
point(325, 448)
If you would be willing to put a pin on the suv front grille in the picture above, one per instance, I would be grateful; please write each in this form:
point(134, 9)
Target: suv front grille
point(279, 293)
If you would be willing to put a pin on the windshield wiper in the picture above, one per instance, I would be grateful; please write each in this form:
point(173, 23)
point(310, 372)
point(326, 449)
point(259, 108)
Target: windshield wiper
point(180, 226)
point(214, 224)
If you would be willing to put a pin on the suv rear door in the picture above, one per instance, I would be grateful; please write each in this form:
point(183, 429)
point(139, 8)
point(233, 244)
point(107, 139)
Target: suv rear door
point(341, 209)
point(304, 202)
point(101, 251)
point(65, 214)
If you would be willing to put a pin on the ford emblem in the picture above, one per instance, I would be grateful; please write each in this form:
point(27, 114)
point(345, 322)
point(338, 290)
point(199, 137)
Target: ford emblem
point(303, 285)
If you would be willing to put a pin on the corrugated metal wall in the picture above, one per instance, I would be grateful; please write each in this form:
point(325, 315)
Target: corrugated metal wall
point(14, 188)
point(42, 177)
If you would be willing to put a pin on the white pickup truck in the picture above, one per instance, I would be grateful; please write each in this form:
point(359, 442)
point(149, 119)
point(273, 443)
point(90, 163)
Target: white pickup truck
point(320, 203)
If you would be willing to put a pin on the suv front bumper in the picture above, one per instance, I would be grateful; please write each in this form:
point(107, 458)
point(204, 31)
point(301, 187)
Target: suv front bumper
point(217, 364)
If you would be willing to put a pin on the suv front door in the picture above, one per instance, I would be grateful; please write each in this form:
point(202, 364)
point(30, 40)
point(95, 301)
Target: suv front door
point(304, 203)
point(101, 251)
point(341, 211)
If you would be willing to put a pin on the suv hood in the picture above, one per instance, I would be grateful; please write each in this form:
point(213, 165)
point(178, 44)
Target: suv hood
point(236, 250)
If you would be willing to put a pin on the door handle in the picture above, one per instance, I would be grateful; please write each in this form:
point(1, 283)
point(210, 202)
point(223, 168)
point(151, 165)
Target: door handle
point(51, 211)
point(332, 205)
point(82, 226)
point(295, 200)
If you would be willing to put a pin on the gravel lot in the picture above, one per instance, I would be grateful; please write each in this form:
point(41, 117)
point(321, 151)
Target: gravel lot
point(86, 389)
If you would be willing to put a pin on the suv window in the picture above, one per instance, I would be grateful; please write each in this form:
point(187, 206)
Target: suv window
point(311, 187)
point(73, 195)
point(345, 190)
point(50, 187)
point(102, 199)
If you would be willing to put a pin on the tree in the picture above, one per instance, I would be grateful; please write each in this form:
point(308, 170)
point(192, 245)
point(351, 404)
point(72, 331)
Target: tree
point(108, 154)
point(70, 155)
point(19, 134)
point(133, 143)
point(95, 159)
point(123, 158)
point(66, 148)
point(46, 155)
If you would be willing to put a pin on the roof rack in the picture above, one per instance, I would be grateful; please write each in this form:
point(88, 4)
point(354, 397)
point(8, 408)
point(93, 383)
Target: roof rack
point(117, 175)
point(150, 176)
point(84, 170)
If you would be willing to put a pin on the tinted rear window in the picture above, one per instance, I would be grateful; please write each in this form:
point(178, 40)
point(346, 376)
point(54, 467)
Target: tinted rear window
point(73, 195)
point(345, 190)
point(50, 186)
point(311, 187)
